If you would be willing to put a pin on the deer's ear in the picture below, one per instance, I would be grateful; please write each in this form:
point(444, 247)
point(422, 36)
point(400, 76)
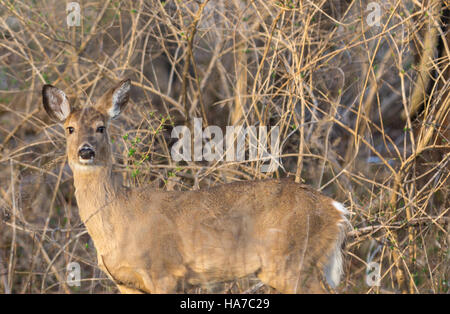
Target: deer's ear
point(113, 101)
point(55, 103)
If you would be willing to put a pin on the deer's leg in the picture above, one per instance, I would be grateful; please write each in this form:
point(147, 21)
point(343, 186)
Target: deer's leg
point(285, 277)
point(156, 283)
point(128, 290)
point(292, 265)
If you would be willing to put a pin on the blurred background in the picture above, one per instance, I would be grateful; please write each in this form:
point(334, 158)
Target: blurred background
point(359, 90)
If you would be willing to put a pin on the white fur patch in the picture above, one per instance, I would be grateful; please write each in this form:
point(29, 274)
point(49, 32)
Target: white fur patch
point(333, 270)
point(341, 208)
point(83, 167)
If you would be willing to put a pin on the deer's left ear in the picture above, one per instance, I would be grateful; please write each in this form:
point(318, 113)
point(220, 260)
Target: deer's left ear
point(55, 103)
point(114, 100)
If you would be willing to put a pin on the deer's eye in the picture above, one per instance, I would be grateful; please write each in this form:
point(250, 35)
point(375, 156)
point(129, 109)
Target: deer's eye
point(101, 129)
point(70, 129)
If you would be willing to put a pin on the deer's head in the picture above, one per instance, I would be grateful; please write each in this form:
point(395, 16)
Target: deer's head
point(86, 129)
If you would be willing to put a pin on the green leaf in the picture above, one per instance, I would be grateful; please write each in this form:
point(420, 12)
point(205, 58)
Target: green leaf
point(46, 79)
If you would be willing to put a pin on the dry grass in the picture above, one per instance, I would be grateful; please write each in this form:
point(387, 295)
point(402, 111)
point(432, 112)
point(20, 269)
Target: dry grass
point(335, 86)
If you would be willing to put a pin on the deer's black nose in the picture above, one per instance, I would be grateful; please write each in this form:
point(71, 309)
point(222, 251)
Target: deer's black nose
point(86, 152)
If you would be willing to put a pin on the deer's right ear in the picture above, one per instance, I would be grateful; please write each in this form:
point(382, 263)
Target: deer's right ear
point(113, 102)
point(55, 103)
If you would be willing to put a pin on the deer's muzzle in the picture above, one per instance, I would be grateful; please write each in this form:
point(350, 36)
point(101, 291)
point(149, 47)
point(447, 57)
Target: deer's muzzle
point(86, 153)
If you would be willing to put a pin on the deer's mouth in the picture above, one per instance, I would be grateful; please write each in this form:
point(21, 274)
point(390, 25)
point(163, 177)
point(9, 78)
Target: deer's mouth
point(86, 155)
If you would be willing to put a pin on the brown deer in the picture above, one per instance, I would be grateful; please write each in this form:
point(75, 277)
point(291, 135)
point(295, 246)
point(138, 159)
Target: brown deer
point(155, 241)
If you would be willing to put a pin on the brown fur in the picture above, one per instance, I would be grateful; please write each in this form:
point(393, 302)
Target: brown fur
point(150, 240)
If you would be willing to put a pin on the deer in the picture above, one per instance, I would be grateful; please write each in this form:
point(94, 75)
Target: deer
point(149, 240)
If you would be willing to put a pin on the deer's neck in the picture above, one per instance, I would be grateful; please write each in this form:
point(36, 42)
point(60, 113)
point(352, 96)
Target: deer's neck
point(95, 190)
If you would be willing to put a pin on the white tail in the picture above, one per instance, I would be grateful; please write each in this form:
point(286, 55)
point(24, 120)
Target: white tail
point(148, 240)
